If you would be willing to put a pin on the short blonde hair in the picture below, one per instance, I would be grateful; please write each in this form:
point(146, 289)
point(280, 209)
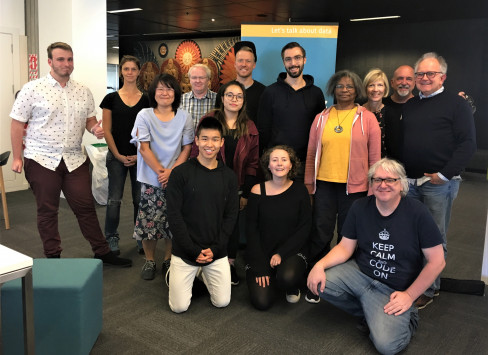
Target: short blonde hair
point(374, 75)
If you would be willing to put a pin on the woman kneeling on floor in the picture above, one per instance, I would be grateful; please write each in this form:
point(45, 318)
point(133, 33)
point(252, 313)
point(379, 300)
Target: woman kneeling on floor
point(279, 220)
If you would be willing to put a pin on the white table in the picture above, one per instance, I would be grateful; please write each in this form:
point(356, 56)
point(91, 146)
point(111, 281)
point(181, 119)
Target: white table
point(14, 265)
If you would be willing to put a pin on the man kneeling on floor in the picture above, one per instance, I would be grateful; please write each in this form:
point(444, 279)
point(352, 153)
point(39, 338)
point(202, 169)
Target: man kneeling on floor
point(389, 234)
point(202, 210)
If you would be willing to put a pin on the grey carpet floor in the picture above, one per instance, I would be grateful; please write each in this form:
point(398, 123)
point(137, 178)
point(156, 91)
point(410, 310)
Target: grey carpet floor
point(137, 318)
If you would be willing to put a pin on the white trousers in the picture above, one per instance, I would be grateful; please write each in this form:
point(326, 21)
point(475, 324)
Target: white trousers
point(216, 277)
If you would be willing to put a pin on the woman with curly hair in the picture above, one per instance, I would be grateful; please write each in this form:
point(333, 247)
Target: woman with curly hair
point(279, 219)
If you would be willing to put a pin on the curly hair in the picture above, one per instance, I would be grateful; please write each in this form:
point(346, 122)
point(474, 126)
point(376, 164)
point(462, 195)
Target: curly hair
point(356, 81)
point(295, 162)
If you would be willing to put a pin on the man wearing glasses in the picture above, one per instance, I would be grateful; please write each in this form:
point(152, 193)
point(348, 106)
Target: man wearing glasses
point(438, 141)
point(200, 99)
point(288, 107)
point(377, 270)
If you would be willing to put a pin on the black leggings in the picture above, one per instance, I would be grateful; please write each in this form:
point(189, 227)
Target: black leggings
point(285, 277)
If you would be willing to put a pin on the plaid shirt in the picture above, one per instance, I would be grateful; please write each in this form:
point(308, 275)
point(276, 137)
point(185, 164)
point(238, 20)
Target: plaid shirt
point(198, 107)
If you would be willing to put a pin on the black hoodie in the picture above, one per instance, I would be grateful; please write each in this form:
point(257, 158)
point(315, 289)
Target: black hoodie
point(202, 209)
point(285, 115)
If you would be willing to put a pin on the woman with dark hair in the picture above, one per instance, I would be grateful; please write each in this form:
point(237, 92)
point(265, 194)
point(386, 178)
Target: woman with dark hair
point(240, 151)
point(119, 113)
point(279, 219)
point(163, 134)
point(345, 140)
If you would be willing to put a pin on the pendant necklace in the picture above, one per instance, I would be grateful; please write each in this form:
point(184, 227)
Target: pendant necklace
point(338, 128)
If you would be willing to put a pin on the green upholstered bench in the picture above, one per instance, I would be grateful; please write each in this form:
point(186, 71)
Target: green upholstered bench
point(67, 307)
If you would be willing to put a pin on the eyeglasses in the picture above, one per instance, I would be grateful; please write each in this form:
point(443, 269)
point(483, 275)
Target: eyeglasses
point(388, 181)
point(297, 58)
point(430, 74)
point(201, 78)
point(166, 90)
point(348, 87)
point(230, 96)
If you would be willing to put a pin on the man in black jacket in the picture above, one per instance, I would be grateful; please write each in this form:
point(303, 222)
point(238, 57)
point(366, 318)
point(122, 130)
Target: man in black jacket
point(288, 107)
point(202, 210)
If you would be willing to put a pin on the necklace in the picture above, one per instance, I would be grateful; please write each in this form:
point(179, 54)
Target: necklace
point(338, 128)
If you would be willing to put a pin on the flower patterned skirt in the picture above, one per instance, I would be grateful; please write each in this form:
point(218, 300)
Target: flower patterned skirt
point(152, 219)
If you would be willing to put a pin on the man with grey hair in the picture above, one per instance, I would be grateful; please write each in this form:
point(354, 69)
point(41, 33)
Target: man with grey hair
point(438, 141)
point(387, 235)
point(200, 99)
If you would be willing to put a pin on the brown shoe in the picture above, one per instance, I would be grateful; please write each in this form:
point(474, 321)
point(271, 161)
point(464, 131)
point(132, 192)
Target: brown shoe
point(423, 301)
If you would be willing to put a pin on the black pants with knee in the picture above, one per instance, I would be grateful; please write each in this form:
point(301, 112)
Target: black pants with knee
point(285, 277)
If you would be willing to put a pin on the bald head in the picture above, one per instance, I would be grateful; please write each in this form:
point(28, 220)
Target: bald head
point(402, 83)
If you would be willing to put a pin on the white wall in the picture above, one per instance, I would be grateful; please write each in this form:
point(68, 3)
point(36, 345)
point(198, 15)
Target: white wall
point(12, 16)
point(83, 24)
point(14, 63)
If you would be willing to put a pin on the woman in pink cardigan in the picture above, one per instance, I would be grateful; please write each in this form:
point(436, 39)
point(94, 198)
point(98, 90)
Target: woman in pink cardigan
point(345, 140)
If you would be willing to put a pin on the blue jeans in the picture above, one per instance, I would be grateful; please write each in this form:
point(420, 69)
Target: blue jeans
point(358, 294)
point(117, 173)
point(438, 199)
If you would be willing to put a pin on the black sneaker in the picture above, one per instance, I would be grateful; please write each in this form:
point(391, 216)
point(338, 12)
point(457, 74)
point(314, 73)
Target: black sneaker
point(111, 259)
point(311, 298)
point(165, 271)
point(234, 279)
point(148, 271)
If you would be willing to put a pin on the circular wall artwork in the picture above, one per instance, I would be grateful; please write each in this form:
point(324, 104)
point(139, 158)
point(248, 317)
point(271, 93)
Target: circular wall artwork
point(187, 54)
point(163, 50)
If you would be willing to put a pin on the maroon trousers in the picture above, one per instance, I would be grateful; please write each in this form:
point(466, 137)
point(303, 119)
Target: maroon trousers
point(47, 186)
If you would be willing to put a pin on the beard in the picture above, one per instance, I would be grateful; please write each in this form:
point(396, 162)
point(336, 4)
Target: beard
point(297, 74)
point(403, 91)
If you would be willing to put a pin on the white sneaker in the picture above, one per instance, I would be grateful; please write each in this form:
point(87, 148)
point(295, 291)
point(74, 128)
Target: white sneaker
point(293, 296)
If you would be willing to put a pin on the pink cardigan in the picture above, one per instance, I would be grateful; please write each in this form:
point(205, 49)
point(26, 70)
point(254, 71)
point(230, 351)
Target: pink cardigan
point(365, 150)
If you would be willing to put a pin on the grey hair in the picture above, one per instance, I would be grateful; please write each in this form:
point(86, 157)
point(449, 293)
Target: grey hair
point(356, 81)
point(203, 66)
point(434, 55)
point(393, 167)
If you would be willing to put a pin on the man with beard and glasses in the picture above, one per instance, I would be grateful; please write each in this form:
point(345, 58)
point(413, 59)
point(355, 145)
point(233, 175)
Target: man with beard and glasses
point(288, 107)
point(402, 85)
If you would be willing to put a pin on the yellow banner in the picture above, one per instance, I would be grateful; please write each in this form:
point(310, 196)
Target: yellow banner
point(305, 31)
